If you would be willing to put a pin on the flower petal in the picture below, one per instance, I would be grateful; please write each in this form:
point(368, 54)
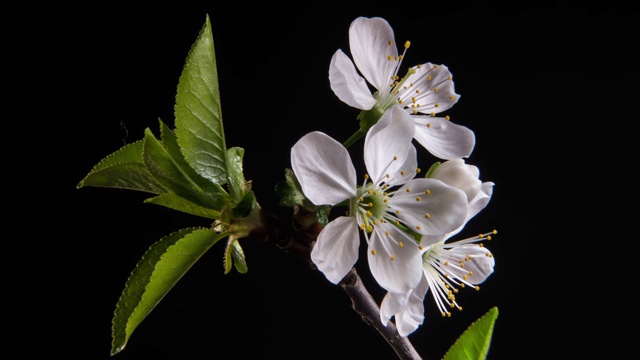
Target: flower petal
point(394, 258)
point(336, 249)
point(389, 139)
point(324, 169)
point(442, 138)
point(392, 304)
point(429, 206)
point(432, 91)
point(460, 175)
point(371, 41)
point(408, 309)
point(347, 84)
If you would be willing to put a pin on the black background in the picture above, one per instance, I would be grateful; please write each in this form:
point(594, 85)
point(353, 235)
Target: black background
point(548, 87)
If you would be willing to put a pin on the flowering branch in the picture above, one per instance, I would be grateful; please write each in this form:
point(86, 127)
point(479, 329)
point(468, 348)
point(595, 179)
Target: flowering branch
point(299, 241)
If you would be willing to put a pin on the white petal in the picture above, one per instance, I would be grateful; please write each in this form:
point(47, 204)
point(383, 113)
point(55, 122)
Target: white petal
point(336, 249)
point(440, 211)
point(412, 316)
point(460, 175)
point(481, 200)
point(324, 169)
point(389, 139)
point(397, 263)
point(371, 41)
point(442, 138)
point(392, 304)
point(480, 263)
point(347, 84)
point(433, 90)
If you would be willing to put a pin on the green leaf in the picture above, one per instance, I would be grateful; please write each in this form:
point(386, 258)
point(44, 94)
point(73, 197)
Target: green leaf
point(123, 169)
point(234, 256)
point(236, 176)
point(169, 172)
point(198, 115)
point(432, 168)
point(290, 192)
point(154, 276)
point(175, 202)
point(474, 343)
point(245, 206)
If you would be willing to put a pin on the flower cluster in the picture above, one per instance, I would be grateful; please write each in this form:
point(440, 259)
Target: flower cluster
point(405, 219)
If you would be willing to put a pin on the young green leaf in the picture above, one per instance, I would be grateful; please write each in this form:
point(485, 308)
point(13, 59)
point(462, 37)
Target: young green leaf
point(160, 268)
point(169, 172)
point(237, 185)
point(175, 202)
point(123, 169)
point(198, 114)
point(474, 343)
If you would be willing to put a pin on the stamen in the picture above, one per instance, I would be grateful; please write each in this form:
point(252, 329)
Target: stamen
point(427, 192)
point(373, 252)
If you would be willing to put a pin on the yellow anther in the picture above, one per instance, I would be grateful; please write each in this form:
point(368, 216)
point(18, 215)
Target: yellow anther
point(415, 112)
point(446, 263)
point(481, 236)
point(373, 252)
point(433, 114)
point(437, 105)
point(435, 89)
point(369, 213)
point(465, 277)
point(388, 176)
point(429, 77)
point(427, 216)
point(477, 287)
point(495, 232)
point(366, 176)
point(389, 57)
point(386, 233)
point(418, 198)
point(399, 101)
point(447, 117)
point(390, 42)
point(401, 244)
point(397, 57)
point(420, 247)
point(393, 257)
point(481, 245)
point(470, 272)
point(418, 170)
point(411, 85)
point(427, 192)
point(400, 57)
point(375, 222)
point(428, 125)
point(451, 97)
point(408, 190)
point(455, 291)
point(435, 66)
point(443, 314)
point(402, 172)
point(419, 66)
point(449, 77)
point(370, 192)
point(419, 227)
point(460, 308)
point(362, 227)
point(395, 158)
point(386, 200)
point(462, 285)
point(489, 237)
point(418, 105)
point(448, 314)
point(370, 204)
point(407, 44)
point(417, 91)
point(360, 199)
point(397, 222)
point(398, 212)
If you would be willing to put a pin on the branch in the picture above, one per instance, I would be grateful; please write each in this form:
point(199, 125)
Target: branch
point(299, 241)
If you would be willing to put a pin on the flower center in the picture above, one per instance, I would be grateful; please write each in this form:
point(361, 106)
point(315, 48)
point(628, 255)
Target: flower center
point(370, 206)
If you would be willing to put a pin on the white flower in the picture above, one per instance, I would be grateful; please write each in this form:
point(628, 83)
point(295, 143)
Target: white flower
point(378, 208)
point(426, 89)
point(446, 266)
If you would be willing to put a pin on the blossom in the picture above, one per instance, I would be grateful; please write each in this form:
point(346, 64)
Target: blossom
point(425, 90)
point(389, 207)
point(446, 265)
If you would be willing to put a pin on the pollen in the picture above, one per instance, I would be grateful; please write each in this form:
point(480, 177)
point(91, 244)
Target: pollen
point(388, 176)
point(495, 232)
point(387, 233)
point(402, 172)
point(389, 57)
point(427, 192)
point(477, 287)
point(419, 227)
point(418, 170)
point(360, 199)
point(465, 277)
point(398, 212)
point(373, 252)
point(369, 213)
point(366, 176)
point(417, 91)
point(390, 42)
point(447, 117)
point(435, 89)
point(370, 204)
point(400, 101)
point(386, 200)
point(407, 44)
point(401, 57)
point(408, 190)
point(427, 216)
point(418, 198)
point(395, 158)
point(393, 257)
point(437, 105)
point(415, 112)
point(397, 222)
point(446, 263)
point(401, 244)
point(375, 222)
point(362, 227)
point(421, 247)
point(428, 125)
point(433, 114)
point(451, 97)
point(489, 237)
point(429, 77)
